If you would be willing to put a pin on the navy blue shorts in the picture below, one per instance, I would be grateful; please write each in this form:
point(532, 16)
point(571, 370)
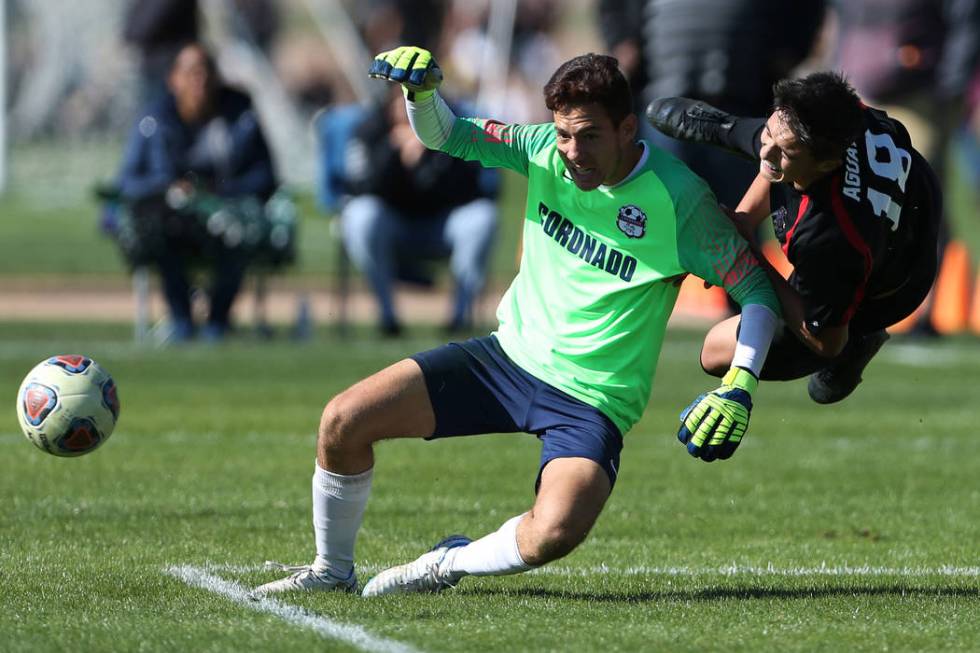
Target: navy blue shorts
point(475, 388)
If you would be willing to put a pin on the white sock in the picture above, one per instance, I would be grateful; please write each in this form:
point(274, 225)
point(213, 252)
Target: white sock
point(338, 506)
point(495, 554)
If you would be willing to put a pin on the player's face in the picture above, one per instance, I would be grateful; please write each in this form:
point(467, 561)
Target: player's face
point(784, 159)
point(595, 151)
point(191, 81)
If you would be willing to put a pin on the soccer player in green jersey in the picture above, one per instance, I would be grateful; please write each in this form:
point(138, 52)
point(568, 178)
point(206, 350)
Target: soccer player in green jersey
point(611, 225)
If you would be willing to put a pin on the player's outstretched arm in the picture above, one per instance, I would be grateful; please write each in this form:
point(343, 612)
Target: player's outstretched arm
point(751, 211)
point(493, 144)
point(713, 425)
point(829, 341)
point(710, 247)
point(420, 76)
point(413, 67)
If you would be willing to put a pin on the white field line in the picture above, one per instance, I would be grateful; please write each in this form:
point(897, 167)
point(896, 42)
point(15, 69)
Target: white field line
point(181, 437)
point(350, 634)
point(730, 570)
point(925, 356)
point(901, 353)
point(734, 570)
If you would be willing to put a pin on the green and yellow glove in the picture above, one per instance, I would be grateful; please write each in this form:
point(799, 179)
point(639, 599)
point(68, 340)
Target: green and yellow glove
point(713, 425)
point(412, 67)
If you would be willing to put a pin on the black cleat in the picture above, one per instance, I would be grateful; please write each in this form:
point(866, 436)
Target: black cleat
point(840, 378)
point(690, 120)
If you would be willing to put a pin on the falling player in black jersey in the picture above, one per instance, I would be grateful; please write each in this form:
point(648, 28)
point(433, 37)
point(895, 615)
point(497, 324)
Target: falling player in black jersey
point(855, 208)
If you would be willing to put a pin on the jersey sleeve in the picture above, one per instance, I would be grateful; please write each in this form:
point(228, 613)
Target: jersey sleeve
point(709, 246)
point(497, 145)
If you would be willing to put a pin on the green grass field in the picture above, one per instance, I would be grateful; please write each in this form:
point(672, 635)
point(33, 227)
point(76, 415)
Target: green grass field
point(846, 528)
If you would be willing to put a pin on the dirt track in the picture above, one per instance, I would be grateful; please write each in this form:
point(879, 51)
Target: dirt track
point(23, 300)
point(282, 305)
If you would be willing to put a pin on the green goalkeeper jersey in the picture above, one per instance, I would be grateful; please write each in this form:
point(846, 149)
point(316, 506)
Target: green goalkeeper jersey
point(600, 269)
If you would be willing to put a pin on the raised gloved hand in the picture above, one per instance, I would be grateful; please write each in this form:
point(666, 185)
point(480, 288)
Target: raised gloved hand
point(713, 425)
point(412, 67)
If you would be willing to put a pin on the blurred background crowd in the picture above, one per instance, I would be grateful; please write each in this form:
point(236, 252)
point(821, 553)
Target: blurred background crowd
point(94, 99)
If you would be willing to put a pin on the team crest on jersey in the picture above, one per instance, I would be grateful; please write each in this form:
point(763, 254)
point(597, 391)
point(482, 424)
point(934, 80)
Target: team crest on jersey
point(632, 221)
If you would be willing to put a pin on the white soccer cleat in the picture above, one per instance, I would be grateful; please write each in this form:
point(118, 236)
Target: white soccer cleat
point(304, 578)
point(425, 574)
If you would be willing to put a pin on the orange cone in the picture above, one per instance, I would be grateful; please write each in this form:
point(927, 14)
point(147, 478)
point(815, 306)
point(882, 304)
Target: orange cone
point(951, 307)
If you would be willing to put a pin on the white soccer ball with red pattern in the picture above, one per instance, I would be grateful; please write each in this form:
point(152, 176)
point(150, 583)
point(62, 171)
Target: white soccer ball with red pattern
point(68, 405)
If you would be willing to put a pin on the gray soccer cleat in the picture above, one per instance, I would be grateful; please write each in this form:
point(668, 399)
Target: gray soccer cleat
point(304, 578)
point(840, 378)
point(425, 574)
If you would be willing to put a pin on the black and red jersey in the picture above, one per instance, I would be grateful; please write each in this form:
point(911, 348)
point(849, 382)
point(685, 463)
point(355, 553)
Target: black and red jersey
point(851, 235)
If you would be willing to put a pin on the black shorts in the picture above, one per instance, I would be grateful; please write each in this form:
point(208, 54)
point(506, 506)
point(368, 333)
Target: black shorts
point(475, 388)
point(790, 359)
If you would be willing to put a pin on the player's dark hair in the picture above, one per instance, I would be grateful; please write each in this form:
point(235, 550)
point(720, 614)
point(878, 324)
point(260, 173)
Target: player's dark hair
point(590, 78)
point(209, 61)
point(822, 110)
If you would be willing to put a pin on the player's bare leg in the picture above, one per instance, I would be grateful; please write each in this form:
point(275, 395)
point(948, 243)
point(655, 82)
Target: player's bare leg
point(394, 403)
point(719, 347)
point(572, 493)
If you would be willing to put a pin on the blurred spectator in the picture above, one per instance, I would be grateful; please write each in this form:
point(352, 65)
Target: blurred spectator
point(465, 44)
point(533, 54)
point(200, 141)
point(409, 205)
point(386, 24)
point(533, 48)
point(422, 20)
point(728, 53)
point(969, 137)
point(621, 26)
point(915, 59)
point(158, 29)
point(473, 56)
point(257, 21)
point(308, 71)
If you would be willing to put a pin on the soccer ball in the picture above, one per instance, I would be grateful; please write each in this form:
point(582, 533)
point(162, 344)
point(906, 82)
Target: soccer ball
point(67, 405)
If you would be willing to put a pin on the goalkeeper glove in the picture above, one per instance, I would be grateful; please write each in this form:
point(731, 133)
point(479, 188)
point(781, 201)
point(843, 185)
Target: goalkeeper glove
point(412, 67)
point(713, 425)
